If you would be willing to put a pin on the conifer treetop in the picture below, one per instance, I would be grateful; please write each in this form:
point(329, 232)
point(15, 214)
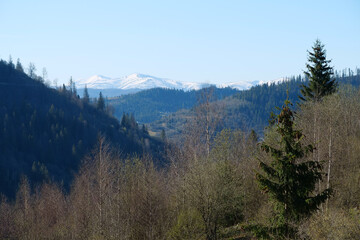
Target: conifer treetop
point(319, 73)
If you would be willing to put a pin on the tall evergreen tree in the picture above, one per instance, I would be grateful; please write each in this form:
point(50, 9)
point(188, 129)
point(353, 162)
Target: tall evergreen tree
point(289, 180)
point(19, 66)
point(124, 120)
point(86, 96)
point(32, 70)
point(71, 84)
point(100, 102)
point(11, 64)
point(74, 91)
point(319, 73)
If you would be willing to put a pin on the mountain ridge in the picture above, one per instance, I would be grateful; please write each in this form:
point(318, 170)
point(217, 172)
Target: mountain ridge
point(139, 81)
point(45, 133)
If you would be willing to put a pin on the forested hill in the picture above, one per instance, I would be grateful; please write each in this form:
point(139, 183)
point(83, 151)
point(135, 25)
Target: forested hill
point(45, 133)
point(150, 105)
point(250, 109)
point(258, 102)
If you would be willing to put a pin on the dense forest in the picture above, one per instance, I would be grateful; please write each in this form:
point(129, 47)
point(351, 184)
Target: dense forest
point(150, 105)
point(300, 180)
point(248, 109)
point(45, 133)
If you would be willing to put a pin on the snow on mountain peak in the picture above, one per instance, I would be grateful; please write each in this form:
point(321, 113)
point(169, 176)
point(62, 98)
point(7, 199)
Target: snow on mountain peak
point(142, 81)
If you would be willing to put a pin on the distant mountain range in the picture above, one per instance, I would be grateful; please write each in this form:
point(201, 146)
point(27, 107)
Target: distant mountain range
point(245, 110)
point(137, 82)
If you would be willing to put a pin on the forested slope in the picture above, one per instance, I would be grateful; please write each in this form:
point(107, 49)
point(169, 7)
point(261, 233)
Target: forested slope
point(200, 196)
point(249, 109)
point(150, 105)
point(44, 132)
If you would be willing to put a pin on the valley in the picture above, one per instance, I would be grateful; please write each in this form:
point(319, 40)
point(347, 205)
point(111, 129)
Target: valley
point(179, 120)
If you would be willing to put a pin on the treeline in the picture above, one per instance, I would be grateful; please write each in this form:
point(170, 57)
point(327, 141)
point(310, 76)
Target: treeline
point(301, 181)
point(45, 132)
point(150, 105)
point(201, 194)
point(250, 109)
point(258, 102)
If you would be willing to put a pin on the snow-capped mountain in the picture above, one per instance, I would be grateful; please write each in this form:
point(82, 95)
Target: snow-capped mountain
point(141, 82)
point(238, 85)
point(276, 81)
point(134, 81)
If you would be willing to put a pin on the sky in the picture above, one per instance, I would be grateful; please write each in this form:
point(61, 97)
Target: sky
point(197, 41)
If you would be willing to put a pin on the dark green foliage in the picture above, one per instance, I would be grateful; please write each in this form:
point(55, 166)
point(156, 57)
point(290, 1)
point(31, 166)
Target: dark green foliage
point(72, 88)
point(249, 109)
point(86, 97)
point(10, 63)
point(19, 66)
point(150, 105)
point(44, 132)
point(100, 105)
point(128, 121)
point(319, 74)
point(32, 70)
point(289, 179)
point(258, 102)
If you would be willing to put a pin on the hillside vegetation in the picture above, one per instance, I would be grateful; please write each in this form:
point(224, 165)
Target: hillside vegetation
point(45, 133)
point(248, 109)
point(299, 180)
point(150, 105)
point(201, 195)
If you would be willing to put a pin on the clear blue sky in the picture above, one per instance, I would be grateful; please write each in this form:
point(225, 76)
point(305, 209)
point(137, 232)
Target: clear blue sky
point(200, 41)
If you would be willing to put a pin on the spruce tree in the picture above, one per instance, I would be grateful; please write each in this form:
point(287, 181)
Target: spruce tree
point(124, 120)
point(71, 84)
point(289, 180)
point(74, 91)
point(32, 70)
point(11, 64)
point(319, 73)
point(86, 96)
point(101, 102)
point(19, 66)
